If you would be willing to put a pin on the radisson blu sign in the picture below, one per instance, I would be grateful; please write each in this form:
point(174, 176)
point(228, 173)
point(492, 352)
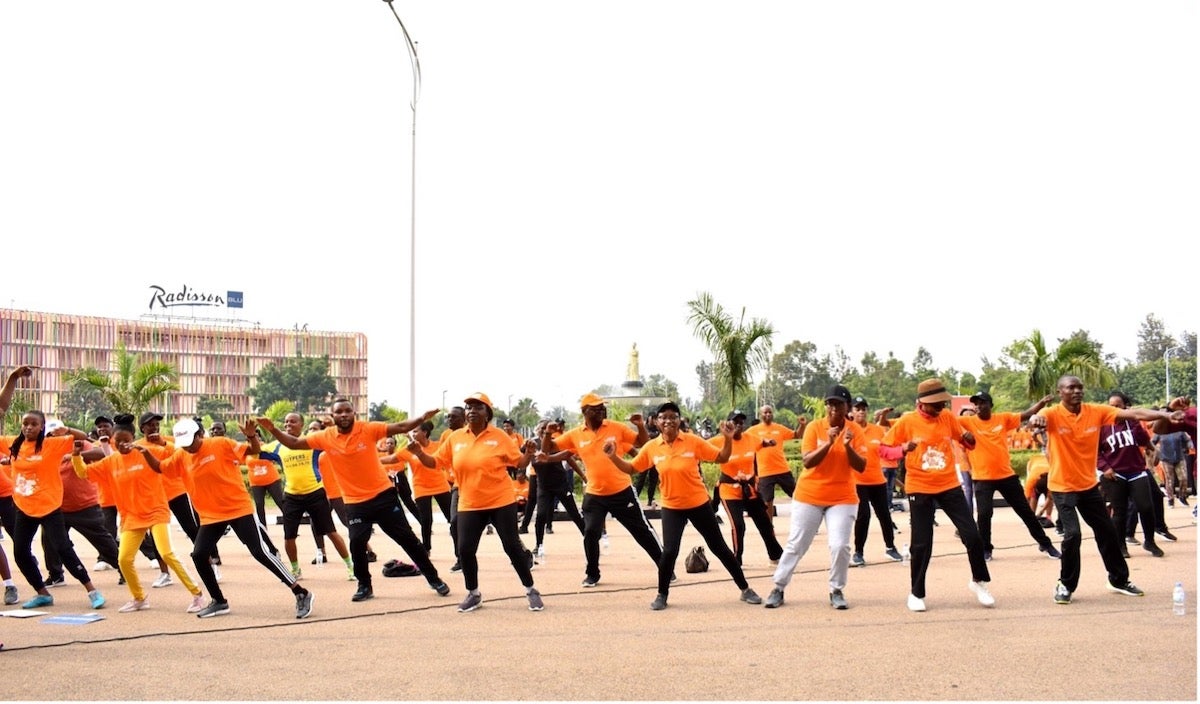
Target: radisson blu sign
point(190, 297)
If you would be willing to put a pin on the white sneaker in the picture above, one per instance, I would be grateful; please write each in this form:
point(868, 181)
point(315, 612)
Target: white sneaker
point(101, 567)
point(164, 580)
point(197, 603)
point(980, 589)
point(134, 605)
point(915, 604)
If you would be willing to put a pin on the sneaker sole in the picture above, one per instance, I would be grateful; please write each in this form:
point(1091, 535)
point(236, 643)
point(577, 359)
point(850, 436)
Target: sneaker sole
point(1118, 590)
point(219, 612)
point(469, 609)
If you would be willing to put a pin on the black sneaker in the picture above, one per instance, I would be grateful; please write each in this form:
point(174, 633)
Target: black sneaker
point(659, 603)
point(456, 567)
point(304, 601)
point(364, 592)
point(1153, 549)
point(1062, 595)
point(1051, 552)
point(214, 608)
point(441, 588)
point(371, 556)
point(1166, 535)
point(1128, 589)
point(52, 582)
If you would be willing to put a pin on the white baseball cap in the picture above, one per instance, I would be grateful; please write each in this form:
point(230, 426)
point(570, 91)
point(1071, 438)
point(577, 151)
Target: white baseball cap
point(185, 432)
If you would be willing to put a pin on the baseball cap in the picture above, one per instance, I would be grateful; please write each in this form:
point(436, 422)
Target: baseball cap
point(591, 400)
point(480, 397)
point(147, 417)
point(932, 391)
point(185, 432)
point(860, 401)
point(981, 396)
point(668, 406)
point(102, 419)
point(734, 415)
point(54, 424)
point(837, 392)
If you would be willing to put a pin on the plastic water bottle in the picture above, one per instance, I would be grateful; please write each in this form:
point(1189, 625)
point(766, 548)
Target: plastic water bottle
point(904, 552)
point(604, 544)
point(1178, 600)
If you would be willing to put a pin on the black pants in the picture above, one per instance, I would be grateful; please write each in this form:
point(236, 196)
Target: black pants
point(954, 503)
point(735, 508)
point(8, 515)
point(1088, 505)
point(647, 480)
point(705, 522)
point(404, 491)
point(1126, 493)
point(52, 525)
point(251, 533)
point(384, 511)
point(181, 508)
point(1014, 494)
point(90, 524)
point(873, 497)
point(530, 503)
point(624, 507)
point(425, 517)
point(454, 520)
point(1157, 500)
point(545, 510)
point(259, 493)
point(471, 525)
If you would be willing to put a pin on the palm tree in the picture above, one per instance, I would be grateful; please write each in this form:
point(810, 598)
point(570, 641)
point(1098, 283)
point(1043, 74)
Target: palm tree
point(738, 348)
point(1075, 356)
point(133, 385)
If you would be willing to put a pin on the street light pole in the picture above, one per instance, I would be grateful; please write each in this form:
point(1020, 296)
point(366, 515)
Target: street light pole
point(444, 399)
point(412, 258)
point(1167, 367)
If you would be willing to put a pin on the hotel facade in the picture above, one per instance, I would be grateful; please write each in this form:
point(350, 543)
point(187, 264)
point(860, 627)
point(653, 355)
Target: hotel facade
point(214, 358)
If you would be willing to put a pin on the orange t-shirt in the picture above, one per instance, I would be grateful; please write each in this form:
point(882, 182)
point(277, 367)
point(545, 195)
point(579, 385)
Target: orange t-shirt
point(213, 477)
point(1074, 444)
point(741, 461)
point(873, 475)
point(990, 458)
point(261, 472)
point(771, 460)
point(425, 481)
point(831, 481)
point(37, 484)
point(678, 465)
point(172, 486)
point(1038, 465)
point(603, 477)
point(136, 487)
point(930, 466)
point(354, 459)
point(447, 470)
point(521, 491)
point(333, 490)
point(480, 463)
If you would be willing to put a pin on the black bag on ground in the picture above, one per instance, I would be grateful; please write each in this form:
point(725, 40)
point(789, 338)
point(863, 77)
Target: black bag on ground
point(396, 568)
point(696, 560)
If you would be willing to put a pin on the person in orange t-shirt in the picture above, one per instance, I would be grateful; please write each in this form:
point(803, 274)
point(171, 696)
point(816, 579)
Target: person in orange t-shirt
point(991, 469)
point(677, 455)
point(480, 454)
point(871, 485)
point(33, 460)
point(138, 492)
point(927, 436)
point(211, 469)
point(773, 469)
point(737, 491)
point(835, 450)
point(609, 490)
point(1073, 431)
point(429, 485)
point(371, 498)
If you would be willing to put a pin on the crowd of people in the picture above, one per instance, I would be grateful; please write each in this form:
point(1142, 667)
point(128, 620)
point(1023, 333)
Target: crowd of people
point(120, 483)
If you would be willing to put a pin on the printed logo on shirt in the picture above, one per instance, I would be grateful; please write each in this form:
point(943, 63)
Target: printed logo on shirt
point(25, 486)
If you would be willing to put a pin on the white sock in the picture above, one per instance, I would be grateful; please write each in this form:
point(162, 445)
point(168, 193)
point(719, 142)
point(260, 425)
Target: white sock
point(9, 583)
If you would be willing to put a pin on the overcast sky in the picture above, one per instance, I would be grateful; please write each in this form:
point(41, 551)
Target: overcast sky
point(875, 176)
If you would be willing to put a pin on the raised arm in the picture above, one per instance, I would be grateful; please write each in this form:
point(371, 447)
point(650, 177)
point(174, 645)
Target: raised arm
point(10, 385)
point(288, 441)
point(402, 427)
point(1032, 410)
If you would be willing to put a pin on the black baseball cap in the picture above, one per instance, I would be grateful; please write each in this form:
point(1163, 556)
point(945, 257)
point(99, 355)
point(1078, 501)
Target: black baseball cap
point(837, 392)
point(668, 406)
point(102, 419)
point(981, 396)
point(147, 417)
point(860, 401)
point(735, 414)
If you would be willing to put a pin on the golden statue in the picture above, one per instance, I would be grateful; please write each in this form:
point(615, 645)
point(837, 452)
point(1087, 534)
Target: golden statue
point(631, 371)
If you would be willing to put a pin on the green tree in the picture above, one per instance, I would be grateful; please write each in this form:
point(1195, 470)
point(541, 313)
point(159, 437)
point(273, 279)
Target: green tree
point(1077, 356)
point(525, 415)
point(132, 386)
point(278, 411)
point(659, 385)
point(739, 348)
point(383, 412)
point(304, 381)
point(1153, 340)
point(798, 371)
point(216, 407)
point(80, 403)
